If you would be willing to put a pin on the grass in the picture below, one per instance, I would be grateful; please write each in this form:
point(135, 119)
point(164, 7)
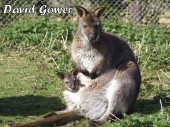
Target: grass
point(32, 52)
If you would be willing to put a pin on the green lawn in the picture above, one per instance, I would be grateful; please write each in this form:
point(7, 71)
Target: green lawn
point(32, 52)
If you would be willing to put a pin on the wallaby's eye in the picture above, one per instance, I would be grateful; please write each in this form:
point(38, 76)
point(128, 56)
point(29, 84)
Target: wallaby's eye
point(96, 25)
point(74, 80)
point(66, 82)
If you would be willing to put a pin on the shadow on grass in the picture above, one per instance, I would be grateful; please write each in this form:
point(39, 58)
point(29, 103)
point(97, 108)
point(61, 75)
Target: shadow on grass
point(150, 106)
point(29, 105)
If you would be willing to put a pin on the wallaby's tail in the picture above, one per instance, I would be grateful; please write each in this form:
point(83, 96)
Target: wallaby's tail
point(57, 120)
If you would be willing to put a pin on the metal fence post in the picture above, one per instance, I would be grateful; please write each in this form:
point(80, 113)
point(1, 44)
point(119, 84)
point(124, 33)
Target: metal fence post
point(136, 11)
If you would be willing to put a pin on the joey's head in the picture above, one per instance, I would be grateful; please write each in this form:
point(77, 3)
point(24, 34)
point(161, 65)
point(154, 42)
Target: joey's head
point(69, 80)
point(89, 26)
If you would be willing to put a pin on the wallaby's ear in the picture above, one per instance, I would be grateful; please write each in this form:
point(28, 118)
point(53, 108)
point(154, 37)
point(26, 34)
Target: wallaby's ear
point(61, 75)
point(99, 11)
point(75, 72)
point(81, 11)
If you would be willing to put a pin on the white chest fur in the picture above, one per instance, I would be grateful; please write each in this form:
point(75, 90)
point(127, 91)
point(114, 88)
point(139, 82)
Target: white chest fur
point(88, 58)
point(74, 97)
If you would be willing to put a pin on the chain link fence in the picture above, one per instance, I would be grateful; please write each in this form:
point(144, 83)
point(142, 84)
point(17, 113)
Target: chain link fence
point(135, 11)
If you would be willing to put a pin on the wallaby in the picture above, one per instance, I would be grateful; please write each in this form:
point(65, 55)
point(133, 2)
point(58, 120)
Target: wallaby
point(85, 103)
point(72, 85)
point(114, 74)
point(95, 52)
point(91, 105)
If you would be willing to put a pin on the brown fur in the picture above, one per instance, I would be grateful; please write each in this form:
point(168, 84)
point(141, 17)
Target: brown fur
point(53, 120)
point(105, 57)
point(109, 50)
point(69, 81)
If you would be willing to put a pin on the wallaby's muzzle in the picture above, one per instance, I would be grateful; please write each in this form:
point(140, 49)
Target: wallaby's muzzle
point(93, 39)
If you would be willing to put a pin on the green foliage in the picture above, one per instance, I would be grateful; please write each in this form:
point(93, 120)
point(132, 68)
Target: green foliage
point(138, 120)
point(153, 41)
point(36, 32)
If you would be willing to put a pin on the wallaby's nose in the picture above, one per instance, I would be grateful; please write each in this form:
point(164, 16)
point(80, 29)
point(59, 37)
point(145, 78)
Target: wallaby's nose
point(73, 87)
point(92, 38)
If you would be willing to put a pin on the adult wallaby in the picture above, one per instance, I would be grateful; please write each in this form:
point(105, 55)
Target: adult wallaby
point(114, 73)
point(95, 52)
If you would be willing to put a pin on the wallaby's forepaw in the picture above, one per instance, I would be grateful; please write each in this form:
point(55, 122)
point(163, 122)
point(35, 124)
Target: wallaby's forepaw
point(84, 80)
point(80, 76)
